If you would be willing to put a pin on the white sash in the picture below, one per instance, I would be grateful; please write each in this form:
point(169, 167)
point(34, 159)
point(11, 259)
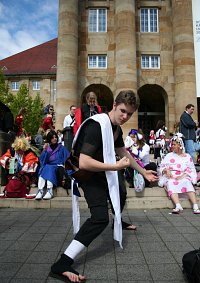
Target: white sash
point(111, 176)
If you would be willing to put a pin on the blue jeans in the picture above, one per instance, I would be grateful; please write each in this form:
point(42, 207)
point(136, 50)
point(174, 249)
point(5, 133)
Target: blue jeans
point(189, 148)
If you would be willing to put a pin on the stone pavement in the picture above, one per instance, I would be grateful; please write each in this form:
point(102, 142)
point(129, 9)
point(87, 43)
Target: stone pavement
point(32, 239)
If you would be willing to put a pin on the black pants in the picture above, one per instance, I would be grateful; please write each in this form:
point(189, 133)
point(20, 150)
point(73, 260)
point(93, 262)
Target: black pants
point(122, 191)
point(157, 152)
point(96, 195)
point(150, 166)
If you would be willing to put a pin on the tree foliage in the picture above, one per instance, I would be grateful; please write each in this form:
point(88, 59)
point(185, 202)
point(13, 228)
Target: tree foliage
point(5, 96)
point(34, 106)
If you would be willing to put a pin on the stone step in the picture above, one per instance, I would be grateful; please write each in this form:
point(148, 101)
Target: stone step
point(150, 198)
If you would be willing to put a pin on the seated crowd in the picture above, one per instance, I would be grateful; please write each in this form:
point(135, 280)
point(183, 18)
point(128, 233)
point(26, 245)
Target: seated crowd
point(44, 161)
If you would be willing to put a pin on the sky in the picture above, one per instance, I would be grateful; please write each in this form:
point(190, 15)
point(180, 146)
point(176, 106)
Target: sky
point(26, 23)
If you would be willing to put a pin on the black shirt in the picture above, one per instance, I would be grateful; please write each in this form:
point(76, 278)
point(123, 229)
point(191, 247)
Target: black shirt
point(90, 140)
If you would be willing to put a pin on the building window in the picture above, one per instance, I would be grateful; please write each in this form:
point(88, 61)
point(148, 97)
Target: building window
point(36, 85)
point(97, 62)
point(54, 91)
point(97, 20)
point(150, 62)
point(149, 20)
point(15, 86)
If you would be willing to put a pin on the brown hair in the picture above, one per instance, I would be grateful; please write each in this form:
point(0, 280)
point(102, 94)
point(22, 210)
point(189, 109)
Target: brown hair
point(128, 97)
point(189, 106)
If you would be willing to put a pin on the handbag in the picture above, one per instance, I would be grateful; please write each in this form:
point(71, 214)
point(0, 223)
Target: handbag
point(138, 182)
point(72, 165)
point(191, 266)
point(18, 186)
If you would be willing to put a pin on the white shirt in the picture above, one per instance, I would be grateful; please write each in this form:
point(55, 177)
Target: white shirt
point(67, 121)
point(144, 154)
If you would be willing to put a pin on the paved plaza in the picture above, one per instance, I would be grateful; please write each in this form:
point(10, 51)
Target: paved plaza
point(32, 239)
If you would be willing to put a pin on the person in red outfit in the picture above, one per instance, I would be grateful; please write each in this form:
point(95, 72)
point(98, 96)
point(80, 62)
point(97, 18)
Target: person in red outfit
point(87, 110)
point(47, 123)
point(26, 160)
point(19, 122)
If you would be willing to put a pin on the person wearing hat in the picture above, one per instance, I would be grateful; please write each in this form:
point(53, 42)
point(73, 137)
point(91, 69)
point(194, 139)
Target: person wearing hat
point(178, 175)
point(140, 150)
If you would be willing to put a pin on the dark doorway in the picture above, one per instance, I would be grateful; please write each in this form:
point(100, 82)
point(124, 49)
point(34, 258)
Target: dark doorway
point(152, 107)
point(104, 96)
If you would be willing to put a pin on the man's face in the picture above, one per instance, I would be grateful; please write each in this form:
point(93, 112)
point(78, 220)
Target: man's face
point(91, 101)
point(190, 110)
point(73, 111)
point(122, 113)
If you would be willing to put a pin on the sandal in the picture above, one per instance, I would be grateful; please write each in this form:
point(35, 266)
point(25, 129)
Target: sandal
point(177, 210)
point(126, 226)
point(196, 211)
point(62, 265)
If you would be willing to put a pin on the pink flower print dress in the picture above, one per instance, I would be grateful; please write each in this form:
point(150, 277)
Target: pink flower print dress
point(178, 165)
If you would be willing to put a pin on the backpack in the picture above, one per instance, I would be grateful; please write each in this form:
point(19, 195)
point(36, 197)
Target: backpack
point(17, 187)
point(191, 266)
point(138, 182)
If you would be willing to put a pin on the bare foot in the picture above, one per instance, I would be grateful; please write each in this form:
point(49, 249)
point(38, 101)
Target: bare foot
point(73, 277)
point(128, 226)
point(131, 227)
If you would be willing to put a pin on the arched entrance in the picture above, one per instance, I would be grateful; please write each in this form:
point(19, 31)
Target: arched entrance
point(152, 107)
point(104, 96)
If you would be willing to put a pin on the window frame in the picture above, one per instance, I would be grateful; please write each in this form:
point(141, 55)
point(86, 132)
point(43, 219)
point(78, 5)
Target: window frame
point(150, 60)
point(97, 65)
point(145, 26)
point(36, 85)
point(16, 85)
point(95, 27)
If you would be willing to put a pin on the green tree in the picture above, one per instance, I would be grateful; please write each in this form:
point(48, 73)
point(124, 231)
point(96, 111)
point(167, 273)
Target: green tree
point(34, 109)
point(34, 106)
point(5, 96)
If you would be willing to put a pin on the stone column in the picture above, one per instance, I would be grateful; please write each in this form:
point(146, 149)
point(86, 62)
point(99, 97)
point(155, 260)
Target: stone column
point(67, 59)
point(126, 74)
point(184, 62)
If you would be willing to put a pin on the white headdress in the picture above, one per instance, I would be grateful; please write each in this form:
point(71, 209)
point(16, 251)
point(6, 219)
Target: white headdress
point(178, 137)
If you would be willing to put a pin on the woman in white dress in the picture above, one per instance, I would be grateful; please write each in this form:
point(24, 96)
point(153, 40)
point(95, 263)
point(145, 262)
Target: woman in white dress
point(178, 175)
point(140, 150)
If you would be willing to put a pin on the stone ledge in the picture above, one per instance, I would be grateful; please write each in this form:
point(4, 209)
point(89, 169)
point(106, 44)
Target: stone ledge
point(150, 198)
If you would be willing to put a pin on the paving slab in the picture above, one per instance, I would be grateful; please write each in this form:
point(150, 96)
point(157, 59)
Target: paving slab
point(32, 239)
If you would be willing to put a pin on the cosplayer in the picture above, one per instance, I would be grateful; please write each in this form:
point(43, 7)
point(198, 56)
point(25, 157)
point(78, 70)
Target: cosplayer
point(140, 150)
point(178, 175)
point(52, 156)
point(25, 159)
point(95, 146)
point(87, 110)
point(19, 122)
point(47, 123)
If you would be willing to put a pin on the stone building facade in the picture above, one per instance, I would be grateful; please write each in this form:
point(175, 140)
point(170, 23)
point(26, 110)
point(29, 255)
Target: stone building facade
point(110, 45)
point(36, 67)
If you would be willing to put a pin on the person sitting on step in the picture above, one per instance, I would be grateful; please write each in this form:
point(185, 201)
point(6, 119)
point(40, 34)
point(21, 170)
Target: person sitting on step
point(178, 175)
point(52, 156)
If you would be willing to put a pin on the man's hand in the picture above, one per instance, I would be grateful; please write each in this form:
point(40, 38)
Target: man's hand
point(124, 162)
point(150, 175)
